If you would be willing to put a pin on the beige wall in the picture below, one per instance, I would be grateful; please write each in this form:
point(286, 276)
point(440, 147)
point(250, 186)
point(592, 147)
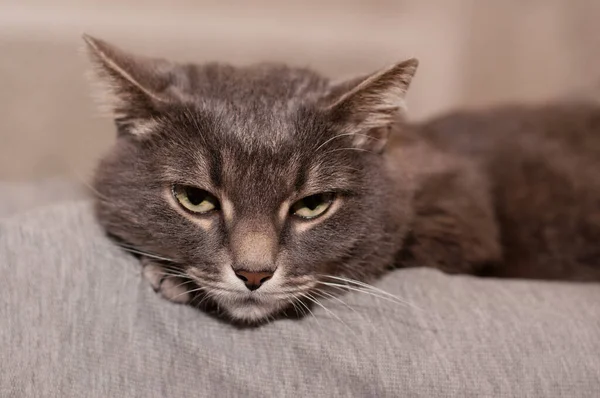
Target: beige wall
point(473, 53)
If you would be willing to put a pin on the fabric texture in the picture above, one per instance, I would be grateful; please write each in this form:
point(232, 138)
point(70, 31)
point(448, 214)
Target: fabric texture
point(78, 320)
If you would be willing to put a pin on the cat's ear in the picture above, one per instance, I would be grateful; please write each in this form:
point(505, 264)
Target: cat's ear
point(371, 106)
point(135, 88)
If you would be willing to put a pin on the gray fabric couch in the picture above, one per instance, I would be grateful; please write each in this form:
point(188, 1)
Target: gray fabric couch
point(78, 320)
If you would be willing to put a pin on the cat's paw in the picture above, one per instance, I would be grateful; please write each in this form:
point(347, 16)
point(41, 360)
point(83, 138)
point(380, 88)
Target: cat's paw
point(170, 287)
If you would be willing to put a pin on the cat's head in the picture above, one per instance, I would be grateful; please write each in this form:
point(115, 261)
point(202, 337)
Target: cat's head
point(260, 183)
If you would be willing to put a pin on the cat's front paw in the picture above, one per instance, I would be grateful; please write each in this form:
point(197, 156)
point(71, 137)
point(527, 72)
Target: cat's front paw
point(171, 287)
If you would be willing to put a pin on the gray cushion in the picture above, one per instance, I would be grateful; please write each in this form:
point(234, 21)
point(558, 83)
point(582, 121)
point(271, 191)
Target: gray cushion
point(77, 320)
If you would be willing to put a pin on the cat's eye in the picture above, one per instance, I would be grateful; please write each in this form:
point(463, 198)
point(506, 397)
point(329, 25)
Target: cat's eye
point(312, 206)
point(194, 199)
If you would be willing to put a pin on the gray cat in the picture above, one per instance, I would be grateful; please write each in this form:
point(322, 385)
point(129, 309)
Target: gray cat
point(258, 189)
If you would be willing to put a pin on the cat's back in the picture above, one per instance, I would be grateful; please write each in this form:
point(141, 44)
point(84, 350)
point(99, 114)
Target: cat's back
point(543, 164)
point(574, 126)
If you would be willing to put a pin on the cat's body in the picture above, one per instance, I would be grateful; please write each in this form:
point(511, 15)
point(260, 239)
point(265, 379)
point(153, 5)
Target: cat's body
point(541, 166)
point(262, 186)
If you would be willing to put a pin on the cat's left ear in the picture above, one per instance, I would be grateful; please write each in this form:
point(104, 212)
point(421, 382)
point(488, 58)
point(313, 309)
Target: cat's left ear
point(372, 106)
point(135, 88)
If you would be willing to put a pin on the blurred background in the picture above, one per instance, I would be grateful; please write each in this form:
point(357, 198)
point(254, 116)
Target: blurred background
point(473, 54)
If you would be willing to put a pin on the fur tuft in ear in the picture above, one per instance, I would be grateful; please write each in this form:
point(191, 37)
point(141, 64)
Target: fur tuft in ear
point(370, 109)
point(135, 88)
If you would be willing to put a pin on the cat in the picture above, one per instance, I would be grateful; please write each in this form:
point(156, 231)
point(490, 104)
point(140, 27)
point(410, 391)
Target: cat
point(257, 189)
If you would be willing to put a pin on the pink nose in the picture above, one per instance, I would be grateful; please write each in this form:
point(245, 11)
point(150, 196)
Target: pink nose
point(253, 280)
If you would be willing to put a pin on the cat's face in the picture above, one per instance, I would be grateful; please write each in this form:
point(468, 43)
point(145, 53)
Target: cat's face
point(258, 183)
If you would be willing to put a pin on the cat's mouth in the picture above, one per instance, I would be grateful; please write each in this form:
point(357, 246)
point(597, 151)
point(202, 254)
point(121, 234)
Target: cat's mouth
point(253, 306)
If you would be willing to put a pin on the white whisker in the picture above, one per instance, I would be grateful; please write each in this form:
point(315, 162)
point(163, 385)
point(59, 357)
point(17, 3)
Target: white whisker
point(296, 307)
point(143, 253)
point(348, 149)
point(198, 289)
point(344, 135)
point(89, 186)
point(182, 283)
point(176, 275)
point(309, 311)
point(373, 289)
point(325, 294)
point(292, 299)
point(208, 295)
point(177, 270)
point(331, 313)
point(371, 293)
point(331, 139)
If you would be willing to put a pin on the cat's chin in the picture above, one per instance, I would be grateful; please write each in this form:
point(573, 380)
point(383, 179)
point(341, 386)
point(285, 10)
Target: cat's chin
point(251, 311)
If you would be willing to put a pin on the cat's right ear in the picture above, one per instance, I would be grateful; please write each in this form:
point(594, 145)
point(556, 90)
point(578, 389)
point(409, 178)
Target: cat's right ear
point(135, 89)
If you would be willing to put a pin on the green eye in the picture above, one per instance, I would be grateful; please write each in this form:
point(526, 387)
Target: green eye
point(312, 206)
point(195, 200)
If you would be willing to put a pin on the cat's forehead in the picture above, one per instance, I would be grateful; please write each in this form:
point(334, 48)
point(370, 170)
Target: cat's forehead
point(260, 178)
point(264, 84)
point(257, 106)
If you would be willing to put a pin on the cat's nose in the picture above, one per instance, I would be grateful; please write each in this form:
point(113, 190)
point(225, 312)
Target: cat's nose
point(253, 280)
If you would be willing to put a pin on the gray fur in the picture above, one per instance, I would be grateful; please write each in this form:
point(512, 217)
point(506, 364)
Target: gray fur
point(461, 193)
